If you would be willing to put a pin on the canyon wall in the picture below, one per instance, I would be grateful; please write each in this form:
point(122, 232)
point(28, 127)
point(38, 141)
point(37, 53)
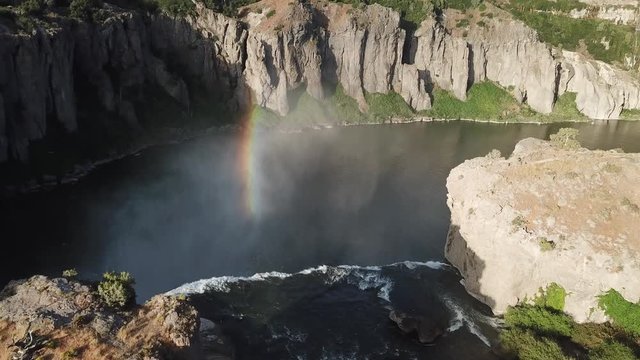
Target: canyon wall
point(57, 78)
point(74, 75)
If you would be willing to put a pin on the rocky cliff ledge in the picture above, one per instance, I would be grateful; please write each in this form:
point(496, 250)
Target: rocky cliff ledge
point(126, 70)
point(62, 319)
point(547, 214)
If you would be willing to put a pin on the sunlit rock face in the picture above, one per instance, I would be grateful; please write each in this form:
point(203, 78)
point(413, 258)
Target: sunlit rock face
point(546, 215)
point(602, 91)
point(72, 315)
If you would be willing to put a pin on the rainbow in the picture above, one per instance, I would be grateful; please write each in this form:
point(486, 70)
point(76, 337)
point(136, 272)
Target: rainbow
point(247, 162)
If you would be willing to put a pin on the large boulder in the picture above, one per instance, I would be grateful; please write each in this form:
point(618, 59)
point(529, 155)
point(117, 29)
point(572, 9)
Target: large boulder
point(426, 329)
point(547, 215)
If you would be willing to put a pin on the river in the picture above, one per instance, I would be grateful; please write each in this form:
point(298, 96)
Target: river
point(339, 225)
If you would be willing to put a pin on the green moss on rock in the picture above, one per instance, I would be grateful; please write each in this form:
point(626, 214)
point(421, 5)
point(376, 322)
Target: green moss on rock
point(623, 313)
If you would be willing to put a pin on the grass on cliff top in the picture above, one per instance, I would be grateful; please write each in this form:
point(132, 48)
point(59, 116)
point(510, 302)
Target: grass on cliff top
point(564, 6)
point(414, 12)
point(602, 39)
point(542, 331)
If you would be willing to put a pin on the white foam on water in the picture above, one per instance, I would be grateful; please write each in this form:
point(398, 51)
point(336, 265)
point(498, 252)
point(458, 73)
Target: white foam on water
point(356, 267)
point(435, 265)
point(221, 284)
point(369, 279)
point(461, 318)
point(322, 269)
point(327, 355)
point(337, 273)
point(475, 330)
point(295, 336)
point(458, 318)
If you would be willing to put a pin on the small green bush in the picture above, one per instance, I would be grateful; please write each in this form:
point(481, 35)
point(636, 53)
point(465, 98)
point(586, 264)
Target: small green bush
point(462, 23)
point(70, 273)
point(226, 7)
point(591, 336)
point(529, 346)
point(177, 7)
point(552, 297)
point(386, 106)
point(544, 321)
point(33, 7)
point(545, 244)
point(70, 354)
point(485, 101)
point(463, 4)
point(84, 9)
point(612, 350)
point(518, 223)
point(345, 107)
point(623, 313)
point(116, 289)
point(271, 13)
point(566, 138)
point(630, 114)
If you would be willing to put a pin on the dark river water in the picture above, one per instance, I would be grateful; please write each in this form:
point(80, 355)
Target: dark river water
point(343, 224)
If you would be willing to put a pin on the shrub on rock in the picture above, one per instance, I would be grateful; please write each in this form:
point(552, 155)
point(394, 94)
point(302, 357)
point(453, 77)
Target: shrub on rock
point(33, 7)
point(566, 138)
point(116, 289)
point(83, 9)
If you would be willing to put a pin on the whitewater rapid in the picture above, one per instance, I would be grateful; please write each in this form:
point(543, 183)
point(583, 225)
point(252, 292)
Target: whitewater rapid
point(363, 277)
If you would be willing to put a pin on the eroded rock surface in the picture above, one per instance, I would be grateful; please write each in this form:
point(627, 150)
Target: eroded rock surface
point(71, 318)
point(547, 215)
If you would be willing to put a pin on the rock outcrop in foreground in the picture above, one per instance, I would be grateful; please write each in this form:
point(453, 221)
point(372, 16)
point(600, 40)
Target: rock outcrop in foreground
point(547, 214)
point(62, 319)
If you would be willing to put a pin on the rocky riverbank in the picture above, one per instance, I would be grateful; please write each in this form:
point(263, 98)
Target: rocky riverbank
point(550, 213)
point(58, 318)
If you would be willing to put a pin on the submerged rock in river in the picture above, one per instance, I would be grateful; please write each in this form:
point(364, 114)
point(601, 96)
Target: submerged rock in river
point(426, 329)
point(547, 214)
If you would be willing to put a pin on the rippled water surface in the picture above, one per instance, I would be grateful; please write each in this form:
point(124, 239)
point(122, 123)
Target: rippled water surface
point(360, 196)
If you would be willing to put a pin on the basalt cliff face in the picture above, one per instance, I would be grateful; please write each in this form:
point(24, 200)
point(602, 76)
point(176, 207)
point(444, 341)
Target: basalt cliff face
point(78, 77)
point(546, 215)
point(75, 76)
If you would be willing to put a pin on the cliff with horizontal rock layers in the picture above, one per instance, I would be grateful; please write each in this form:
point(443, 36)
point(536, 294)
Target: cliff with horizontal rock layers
point(75, 77)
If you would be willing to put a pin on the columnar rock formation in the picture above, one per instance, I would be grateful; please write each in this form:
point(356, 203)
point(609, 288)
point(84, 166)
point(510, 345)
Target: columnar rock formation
point(59, 78)
point(546, 215)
